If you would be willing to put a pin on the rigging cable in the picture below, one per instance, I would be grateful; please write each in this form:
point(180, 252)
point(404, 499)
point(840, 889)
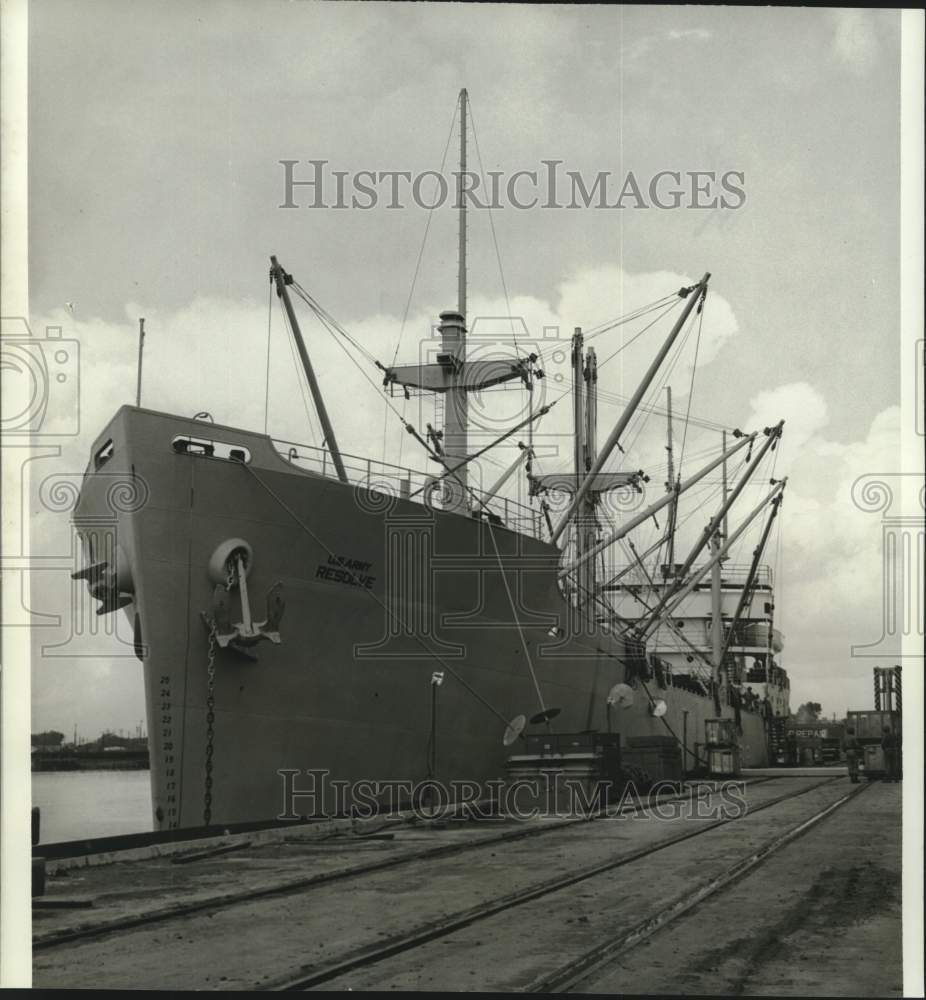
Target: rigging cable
point(517, 620)
point(498, 255)
point(628, 622)
point(672, 305)
point(408, 426)
point(411, 291)
point(673, 628)
point(405, 628)
point(529, 381)
point(330, 321)
point(641, 417)
point(704, 502)
point(637, 416)
point(617, 398)
point(336, 328)
point(612, 324)
point(638, 314)
point(670, 601)
point(717, 487)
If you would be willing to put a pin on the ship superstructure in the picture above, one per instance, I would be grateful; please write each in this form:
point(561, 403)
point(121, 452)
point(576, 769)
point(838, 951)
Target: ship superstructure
point(684, 645)
point(301, 609)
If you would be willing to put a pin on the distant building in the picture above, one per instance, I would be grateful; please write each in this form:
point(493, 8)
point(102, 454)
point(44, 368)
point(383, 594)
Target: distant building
point(817, 742)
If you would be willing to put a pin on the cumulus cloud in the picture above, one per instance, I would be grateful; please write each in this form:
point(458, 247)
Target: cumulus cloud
point(831, 578)
point(804, 407)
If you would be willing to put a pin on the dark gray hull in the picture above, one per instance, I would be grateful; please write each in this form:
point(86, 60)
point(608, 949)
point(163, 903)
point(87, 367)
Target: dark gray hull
point(349, 689)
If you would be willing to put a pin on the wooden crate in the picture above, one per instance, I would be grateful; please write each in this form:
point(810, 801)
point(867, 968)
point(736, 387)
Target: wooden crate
point(724, 760)
point(720, 732)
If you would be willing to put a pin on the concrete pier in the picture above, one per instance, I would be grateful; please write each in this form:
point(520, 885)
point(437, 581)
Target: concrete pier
point(779, 886)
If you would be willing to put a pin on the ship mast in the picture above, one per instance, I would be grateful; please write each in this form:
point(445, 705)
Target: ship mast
point(695, 294)
point(461, 187)
point(588, 511)
point(585, 408)
point(453, 345)
point(451, 374)
point(717, 646)
point(618, 533)
point(580, 481)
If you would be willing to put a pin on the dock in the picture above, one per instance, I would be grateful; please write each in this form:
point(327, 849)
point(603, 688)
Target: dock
point(765, 891)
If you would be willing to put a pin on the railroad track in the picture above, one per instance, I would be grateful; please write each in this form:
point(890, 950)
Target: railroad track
point(173, 912)
point(574, 972)
point(577, 969)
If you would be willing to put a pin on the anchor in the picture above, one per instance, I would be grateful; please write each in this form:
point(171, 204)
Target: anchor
point(246, 632)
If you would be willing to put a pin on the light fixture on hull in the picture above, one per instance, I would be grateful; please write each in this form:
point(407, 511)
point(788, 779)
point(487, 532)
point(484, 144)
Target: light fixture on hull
point(620, 695)
point(513, 730)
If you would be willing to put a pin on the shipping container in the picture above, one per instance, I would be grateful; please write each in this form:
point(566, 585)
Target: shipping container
point(870, 725)
point(724, 761)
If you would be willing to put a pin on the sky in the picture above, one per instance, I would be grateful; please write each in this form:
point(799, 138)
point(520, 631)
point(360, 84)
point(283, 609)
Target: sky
point(156, 133)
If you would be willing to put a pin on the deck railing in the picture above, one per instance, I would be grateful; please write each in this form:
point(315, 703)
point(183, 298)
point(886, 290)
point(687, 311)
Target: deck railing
point(416, 485)
point(733, 575)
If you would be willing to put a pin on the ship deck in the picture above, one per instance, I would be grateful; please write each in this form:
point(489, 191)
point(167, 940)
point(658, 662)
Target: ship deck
point(697, 897)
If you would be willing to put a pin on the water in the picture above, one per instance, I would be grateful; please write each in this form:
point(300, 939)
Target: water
point(80, 804)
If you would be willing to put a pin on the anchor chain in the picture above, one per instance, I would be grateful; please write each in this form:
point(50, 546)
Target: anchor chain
point(231, 578)
point(210, 727)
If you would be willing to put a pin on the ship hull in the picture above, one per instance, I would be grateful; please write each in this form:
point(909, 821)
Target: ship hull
point(380, 592)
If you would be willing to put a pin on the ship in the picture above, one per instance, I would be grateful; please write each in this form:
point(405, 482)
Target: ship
point(315, 627)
